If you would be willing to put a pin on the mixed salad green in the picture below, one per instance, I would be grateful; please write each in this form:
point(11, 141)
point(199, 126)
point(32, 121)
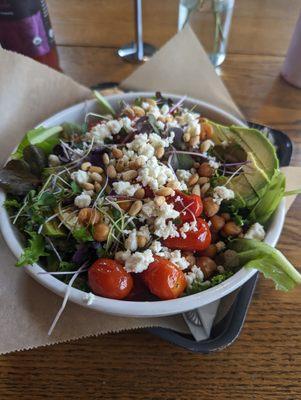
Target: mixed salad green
point(151, 201)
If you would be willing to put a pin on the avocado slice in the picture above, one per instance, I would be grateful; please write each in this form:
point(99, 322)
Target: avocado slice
point(256, 176)
point(244, 192)
point(221, 134)
point(252, 140)
point(51, 228)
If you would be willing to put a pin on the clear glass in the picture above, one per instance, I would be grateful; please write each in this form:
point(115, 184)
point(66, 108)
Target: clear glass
point(211, 20)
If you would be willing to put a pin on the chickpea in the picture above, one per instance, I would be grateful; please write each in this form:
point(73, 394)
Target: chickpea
point(226, 216)
point(206, 170)
point(231, 229)
point(210, 207)
point(217, 222)
point(88, 216)
point(210, 252)
point(101, 232)
point(207, 265)
point(125, 205)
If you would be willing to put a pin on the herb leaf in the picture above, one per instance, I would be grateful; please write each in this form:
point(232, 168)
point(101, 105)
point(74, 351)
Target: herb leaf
point(34, 250)
point(82, 235)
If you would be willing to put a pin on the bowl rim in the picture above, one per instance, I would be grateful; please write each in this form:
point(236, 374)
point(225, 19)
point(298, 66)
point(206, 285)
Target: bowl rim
point(139, 308)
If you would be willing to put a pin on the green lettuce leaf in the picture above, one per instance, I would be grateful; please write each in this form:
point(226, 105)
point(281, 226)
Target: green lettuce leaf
point(105, 106)
point(271, 262)
point(34, 250)
point(44, 138)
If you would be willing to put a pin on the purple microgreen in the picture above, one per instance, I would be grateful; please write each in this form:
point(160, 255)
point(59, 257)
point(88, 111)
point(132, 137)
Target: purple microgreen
point(177, 105)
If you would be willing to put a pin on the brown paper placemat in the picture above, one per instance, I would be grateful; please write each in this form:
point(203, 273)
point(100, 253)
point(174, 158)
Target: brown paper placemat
point(31, 92)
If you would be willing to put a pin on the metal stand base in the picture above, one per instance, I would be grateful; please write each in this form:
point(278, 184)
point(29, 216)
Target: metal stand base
point(130, 53)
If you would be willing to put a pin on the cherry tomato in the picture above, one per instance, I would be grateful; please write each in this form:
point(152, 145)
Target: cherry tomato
point(195, 240)
point(164, 279)
point(108, 278)
point(189, 205)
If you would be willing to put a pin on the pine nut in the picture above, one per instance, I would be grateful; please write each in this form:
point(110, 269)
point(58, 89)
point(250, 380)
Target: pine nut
point(97, 187)
point(141, 241)
point(220, 246)
point(93, 168)
point(135, 208)
point(85, 166)
point(159, 200)
point(96, 177)
point(203, 180)
point(120, 166)
point(129, 175)
point(165, 191)
point(193, 180)
point(87, 186)
point(128, 111)
point(205, 188)
point(139, 112)
point(173, 184)
point(196, 189)
point(106, 159)
point(111, 171)
point(88, 216)
point(101, 232)
point(140, 193)
point(117, 153)
point(159, 152)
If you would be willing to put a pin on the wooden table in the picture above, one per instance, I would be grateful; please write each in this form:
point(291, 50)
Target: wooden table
point(265, 362)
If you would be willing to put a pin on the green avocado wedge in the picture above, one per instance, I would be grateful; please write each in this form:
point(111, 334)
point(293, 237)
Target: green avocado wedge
point(252, 140)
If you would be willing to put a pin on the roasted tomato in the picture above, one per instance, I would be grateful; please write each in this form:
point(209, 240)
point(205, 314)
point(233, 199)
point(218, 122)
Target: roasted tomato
point(190, 206)
point(108, 278)
point(164, 279)
point(195, 240)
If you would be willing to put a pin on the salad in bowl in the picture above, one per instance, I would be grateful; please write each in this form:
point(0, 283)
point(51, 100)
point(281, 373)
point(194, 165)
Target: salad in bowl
point(148, 201)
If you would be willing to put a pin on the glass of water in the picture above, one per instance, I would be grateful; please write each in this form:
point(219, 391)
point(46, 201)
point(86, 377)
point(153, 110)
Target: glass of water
point(211, 20)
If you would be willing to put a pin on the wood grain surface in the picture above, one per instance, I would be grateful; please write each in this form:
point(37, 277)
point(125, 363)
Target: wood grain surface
point(265, 362)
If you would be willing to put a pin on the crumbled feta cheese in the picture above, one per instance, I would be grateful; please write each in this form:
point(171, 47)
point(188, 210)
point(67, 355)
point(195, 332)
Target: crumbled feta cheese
point(213, 163)
point(138, 261)
point(125, 188)
point(154, 175)
point(80, 177)
point(188, 227)
point(155, 111)
point(145, 105)
point(176, 258)
point(158, 141)
point(221, 193)
point(130, 242)
point(53, 160)
point(88, 298)
point(141, 146)
point(126, 123)
point(165, 230)
point(195, 274)
point(160, 125)
point(114, 126)
point(183, 174)
point(164, 109)
point(82, 201)
point(122, 255)
point(256, 231)
point(99, 132)
point(155, 247)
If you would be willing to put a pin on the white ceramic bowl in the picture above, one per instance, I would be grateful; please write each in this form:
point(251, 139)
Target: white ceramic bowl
point(130, 308)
